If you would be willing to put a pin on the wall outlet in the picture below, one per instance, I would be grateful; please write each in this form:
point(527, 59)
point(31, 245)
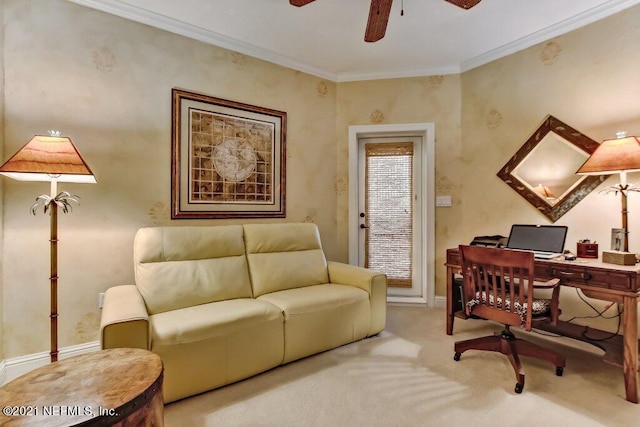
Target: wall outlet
point(100, 299)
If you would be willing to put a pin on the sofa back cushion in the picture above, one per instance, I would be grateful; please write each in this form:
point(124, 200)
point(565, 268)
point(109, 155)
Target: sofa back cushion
point(284, 256)
point(178, 267)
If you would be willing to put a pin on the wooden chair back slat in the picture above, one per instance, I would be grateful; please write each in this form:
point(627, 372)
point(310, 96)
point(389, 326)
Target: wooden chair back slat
point(495, 280)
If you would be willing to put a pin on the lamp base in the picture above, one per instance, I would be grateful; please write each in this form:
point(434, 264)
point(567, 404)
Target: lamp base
point(619, 258)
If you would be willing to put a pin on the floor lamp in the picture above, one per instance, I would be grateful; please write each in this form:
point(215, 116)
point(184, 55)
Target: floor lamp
point(620, 155)
point(51, 158)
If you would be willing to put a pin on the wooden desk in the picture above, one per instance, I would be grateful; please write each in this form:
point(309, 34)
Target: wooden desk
point(607, 282)
point(115, 387)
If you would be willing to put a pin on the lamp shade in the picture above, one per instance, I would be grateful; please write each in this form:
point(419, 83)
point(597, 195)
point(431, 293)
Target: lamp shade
point(45, 158)
point(613, 156)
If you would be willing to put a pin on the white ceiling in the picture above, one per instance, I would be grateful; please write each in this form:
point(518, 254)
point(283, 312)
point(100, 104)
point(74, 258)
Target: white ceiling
point(326, 37)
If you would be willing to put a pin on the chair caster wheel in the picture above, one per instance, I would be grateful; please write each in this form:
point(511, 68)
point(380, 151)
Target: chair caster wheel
point(519, 388)
point(559, 371)
point(456, 357)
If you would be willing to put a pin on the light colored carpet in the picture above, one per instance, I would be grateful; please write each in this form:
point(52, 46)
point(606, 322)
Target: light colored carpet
point(406, 376)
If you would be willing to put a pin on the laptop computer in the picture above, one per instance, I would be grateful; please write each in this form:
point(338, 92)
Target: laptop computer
point(545, 241)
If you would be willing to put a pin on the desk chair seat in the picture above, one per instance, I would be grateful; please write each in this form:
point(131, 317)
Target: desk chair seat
point(498, 286)
point(540, 307)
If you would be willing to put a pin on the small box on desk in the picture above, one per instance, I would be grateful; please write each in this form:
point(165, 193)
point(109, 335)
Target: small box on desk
point(620, 258)
point(587, 250)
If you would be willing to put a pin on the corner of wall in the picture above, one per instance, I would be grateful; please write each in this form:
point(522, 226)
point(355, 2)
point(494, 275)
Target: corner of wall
point(2, 4)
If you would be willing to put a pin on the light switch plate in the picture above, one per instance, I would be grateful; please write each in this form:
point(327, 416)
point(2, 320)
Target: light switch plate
point(443, 201)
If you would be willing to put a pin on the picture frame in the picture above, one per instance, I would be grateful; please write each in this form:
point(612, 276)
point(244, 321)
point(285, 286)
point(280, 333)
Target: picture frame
point(228, 159)
point(618, 237)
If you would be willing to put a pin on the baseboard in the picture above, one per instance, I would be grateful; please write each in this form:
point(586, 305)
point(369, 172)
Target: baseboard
point(16, 366)
point(438, 302)
point(3, 372)
point(407, 300)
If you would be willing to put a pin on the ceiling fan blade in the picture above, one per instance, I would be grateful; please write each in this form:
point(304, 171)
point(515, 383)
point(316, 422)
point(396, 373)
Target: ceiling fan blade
point(300, 2)
point(378, 18)
point(465, 4)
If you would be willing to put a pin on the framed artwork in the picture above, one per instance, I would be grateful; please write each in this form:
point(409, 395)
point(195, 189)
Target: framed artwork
point(227, 158)
point(618, 237)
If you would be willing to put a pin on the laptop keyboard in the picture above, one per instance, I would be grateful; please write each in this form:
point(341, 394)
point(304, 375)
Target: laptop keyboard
point(545, 255)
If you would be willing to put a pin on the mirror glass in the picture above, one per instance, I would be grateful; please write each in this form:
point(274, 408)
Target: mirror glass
point(543, 169)
point(549, 169)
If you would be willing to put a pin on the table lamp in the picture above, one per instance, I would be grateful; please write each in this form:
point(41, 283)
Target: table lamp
point(546, 193)
point(620, 155)
point(51, 158)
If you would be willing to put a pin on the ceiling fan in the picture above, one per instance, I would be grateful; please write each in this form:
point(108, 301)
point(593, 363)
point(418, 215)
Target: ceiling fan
point(379, 15)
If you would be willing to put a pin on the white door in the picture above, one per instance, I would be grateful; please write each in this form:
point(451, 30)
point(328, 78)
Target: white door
point(390, 211)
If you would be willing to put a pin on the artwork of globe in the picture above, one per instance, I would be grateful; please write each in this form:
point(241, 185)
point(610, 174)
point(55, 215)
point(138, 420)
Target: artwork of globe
point(234, 159)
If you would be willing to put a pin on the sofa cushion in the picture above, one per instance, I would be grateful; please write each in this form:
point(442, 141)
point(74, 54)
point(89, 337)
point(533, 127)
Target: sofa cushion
point(207, 321)
point(321, 317)
point(178, 267)
point(314, 298)
point(284, 256)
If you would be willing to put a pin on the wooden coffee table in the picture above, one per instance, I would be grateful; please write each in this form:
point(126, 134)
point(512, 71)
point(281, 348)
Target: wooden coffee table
point(114, 387)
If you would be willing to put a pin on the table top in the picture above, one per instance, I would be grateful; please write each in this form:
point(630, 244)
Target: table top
point(80, 388)
point(581, 262)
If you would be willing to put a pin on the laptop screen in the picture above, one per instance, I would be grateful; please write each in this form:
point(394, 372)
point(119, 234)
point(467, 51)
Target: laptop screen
point(544, 238)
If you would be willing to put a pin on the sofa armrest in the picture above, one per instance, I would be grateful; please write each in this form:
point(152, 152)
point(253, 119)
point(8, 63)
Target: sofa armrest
point(375, 283)
point(125, 321)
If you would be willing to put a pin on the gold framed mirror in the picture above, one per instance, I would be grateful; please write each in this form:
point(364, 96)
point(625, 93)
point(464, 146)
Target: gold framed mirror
point(543, 171)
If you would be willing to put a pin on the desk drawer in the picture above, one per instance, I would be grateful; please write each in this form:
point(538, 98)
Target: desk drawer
point(453, 256)
point(574, 275)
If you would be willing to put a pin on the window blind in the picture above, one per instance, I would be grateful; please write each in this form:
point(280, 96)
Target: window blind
point(389, 210)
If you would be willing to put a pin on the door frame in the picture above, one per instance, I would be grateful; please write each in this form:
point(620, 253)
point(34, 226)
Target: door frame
point(417, 264)
point(427, 132)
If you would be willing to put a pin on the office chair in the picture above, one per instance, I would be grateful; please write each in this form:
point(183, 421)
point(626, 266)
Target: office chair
point(498, 286)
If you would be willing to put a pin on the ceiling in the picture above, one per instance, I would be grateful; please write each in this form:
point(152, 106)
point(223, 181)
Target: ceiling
point(326, 38)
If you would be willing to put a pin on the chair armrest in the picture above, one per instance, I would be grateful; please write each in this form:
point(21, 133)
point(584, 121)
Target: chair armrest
point(125, 321)
point(553, 284)
point(550, 284)
point(373, 282)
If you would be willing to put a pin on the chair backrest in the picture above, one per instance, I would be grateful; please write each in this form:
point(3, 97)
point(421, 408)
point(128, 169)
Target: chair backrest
point(498, 284)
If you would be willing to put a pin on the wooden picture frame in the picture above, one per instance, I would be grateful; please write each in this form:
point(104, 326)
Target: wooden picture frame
point(227, 158)
point(553, 131)
point(618, 236)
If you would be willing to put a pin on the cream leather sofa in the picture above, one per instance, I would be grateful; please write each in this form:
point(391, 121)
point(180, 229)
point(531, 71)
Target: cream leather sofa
point(222, 303)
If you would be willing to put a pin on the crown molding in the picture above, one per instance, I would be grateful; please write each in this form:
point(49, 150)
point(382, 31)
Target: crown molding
point(397, 74)
point(595, 14)
point(118, 8)
point(162, 22)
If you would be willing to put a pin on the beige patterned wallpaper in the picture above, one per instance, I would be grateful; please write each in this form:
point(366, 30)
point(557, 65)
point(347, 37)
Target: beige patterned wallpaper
point(582, 83)
point(435, 99)
point(108, 85)
point(583, 78)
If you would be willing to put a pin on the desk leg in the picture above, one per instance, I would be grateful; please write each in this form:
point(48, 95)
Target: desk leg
point(450, 312)
point(630, 321)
